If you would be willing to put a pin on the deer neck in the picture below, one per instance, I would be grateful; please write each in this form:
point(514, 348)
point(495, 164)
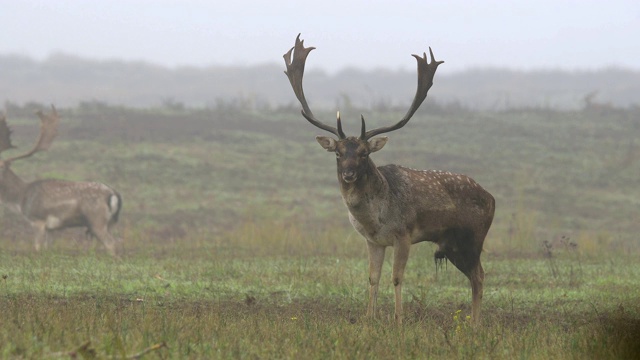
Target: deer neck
point(12, 190)
point(369, 190)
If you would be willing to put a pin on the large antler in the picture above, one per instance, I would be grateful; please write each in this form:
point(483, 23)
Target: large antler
point(5, 135)
point(295, 72)
point(48, 132)
point(426, 71)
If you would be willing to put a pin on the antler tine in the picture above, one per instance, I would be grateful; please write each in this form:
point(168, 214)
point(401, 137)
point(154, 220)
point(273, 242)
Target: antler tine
point(295, 71)
point(48, 129)
point(426, 72)
point(5, 135)
point(48, 132)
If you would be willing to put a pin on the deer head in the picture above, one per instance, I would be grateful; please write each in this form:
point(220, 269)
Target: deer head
point(352, 153)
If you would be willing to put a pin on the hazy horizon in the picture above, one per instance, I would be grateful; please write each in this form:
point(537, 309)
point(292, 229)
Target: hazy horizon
point(516, 35)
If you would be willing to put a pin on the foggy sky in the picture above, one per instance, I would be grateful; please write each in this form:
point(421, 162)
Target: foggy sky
point(521, 35)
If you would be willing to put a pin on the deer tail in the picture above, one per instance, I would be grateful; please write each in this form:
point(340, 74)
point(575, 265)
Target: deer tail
point(115, 205)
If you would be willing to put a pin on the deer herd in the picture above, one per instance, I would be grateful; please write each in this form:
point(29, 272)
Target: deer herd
point(390, 205)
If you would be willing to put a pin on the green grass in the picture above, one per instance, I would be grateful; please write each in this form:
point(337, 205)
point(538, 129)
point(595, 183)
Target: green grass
point(237, 244)
point(272, 292)
point(575, 172)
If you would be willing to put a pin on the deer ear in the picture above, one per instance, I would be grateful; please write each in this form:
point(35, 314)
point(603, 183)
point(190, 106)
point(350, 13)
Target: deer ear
point(327, 143)
point(378, 143)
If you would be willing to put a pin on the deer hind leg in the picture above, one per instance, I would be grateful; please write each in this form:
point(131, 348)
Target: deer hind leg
point(476, 277)
point(107, 240)
point(98, 225)
point(462, 249)
point(376, 258)
point(400, 258)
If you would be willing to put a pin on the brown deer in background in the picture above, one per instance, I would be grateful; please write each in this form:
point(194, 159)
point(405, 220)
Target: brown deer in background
point(57, 204)
point(396, 206)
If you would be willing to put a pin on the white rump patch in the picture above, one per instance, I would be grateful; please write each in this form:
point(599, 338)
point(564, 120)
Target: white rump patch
point(113, 203)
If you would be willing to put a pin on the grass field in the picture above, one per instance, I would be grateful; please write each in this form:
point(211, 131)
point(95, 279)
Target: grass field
point(237, 244)
point(278, 299)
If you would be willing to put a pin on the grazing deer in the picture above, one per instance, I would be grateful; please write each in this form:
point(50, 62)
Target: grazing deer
point(57, 204)
point(396, 206)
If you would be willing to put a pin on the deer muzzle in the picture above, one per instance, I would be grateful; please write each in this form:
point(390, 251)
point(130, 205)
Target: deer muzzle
point(349, 176)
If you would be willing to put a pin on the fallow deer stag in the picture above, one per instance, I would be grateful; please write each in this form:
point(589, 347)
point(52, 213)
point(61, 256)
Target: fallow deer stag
point(396, 206)
point(56, 204)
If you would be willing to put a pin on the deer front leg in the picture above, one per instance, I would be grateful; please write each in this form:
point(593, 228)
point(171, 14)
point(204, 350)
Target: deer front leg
point(40, 239)
point(400, 257)
point(376, 258)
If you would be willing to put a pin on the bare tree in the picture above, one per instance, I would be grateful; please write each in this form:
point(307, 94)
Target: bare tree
point(396, 206)
point(57, 204)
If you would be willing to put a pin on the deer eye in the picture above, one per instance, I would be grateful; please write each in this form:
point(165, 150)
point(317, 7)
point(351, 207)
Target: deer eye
point(338, 155)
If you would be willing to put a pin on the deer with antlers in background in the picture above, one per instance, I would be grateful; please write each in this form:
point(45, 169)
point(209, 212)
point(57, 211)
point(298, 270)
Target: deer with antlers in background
point(57, 204)
point(396, 206)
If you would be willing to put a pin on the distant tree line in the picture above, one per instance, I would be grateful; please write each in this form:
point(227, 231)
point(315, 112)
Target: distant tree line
point(69, 81)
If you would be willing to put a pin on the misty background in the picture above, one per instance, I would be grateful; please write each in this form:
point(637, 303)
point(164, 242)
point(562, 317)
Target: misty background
point(543, 54)
point(537, 101)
